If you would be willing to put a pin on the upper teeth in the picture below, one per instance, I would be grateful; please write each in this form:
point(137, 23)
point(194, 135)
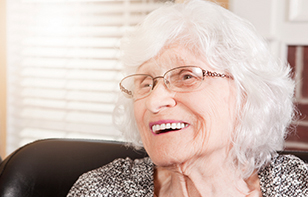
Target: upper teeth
point(157, 128)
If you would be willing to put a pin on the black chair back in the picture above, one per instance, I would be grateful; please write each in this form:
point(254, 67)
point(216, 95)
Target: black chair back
point(50, 167)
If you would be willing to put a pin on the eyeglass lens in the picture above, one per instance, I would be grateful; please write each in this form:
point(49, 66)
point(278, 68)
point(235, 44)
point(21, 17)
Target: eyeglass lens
point(179, 79)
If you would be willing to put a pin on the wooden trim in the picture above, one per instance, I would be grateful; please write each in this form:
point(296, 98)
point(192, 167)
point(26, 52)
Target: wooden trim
point(223, 3)
point(2, 79)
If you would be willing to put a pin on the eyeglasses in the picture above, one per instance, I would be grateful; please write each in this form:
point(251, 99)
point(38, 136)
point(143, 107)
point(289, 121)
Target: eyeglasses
point(179, 79)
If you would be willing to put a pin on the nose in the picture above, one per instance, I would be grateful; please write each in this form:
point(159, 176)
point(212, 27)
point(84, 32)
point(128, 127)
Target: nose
point(160, 98)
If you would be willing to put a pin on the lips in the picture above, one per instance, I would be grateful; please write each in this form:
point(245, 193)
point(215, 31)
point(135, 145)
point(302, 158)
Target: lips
point(158, 128)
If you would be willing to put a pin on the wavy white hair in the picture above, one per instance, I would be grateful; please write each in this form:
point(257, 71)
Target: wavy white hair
point(229, 43)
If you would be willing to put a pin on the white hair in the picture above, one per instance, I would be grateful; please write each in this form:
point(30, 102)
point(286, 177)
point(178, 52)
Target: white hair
point(264, 86)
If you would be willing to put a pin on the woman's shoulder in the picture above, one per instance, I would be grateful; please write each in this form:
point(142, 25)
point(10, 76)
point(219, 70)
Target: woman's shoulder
point(122, 176)
point(285, 174)
point(124, 167)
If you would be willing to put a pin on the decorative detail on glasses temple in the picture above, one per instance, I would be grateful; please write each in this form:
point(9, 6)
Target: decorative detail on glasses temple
point(126, 91)
point(215, 74)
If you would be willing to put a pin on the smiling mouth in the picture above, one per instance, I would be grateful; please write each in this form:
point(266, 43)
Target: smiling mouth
point(166, 127)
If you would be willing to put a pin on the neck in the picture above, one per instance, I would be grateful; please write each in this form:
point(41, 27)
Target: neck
point(204, 177)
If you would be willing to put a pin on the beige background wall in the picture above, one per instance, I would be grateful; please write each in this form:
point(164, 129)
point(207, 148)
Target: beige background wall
point(2, 77)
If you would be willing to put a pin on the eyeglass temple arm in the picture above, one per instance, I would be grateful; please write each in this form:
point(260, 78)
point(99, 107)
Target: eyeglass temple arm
point(215, 74)
point(125, 90)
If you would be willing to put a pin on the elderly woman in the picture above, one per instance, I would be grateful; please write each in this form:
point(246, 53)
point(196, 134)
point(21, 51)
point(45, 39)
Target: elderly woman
point(209, 104)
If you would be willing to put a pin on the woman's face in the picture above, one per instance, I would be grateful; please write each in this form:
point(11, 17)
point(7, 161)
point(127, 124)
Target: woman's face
point(207, 113)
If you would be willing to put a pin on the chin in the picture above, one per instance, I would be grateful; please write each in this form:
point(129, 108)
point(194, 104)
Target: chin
point(168, 158)
point(165, 162)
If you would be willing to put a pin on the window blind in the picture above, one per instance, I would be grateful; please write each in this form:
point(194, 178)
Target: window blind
point(63, 66)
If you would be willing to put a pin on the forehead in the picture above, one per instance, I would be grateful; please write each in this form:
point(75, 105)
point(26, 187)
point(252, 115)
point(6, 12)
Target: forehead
point(171, 57)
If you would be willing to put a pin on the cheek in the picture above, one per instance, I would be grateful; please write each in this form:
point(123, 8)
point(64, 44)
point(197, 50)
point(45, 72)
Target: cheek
point(138, 118)
point(220, 102)
point(206, 106)
point(214, 112)
point(139, 111)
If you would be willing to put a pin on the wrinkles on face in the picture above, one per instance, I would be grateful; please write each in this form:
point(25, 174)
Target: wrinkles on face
point(208, 110)
point(206, 141)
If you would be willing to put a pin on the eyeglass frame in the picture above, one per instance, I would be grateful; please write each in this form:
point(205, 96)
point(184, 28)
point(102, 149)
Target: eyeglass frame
point(205, 73)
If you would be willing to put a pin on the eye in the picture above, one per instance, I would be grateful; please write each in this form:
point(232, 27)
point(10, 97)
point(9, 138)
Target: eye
point(187, 76)
point(145, 83)
point(184, 78)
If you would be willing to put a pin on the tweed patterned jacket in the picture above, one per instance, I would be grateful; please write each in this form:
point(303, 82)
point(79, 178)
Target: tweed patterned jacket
point(284, 176)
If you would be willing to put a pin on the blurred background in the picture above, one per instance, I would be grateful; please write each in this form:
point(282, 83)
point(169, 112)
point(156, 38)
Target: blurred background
point(59, 63)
